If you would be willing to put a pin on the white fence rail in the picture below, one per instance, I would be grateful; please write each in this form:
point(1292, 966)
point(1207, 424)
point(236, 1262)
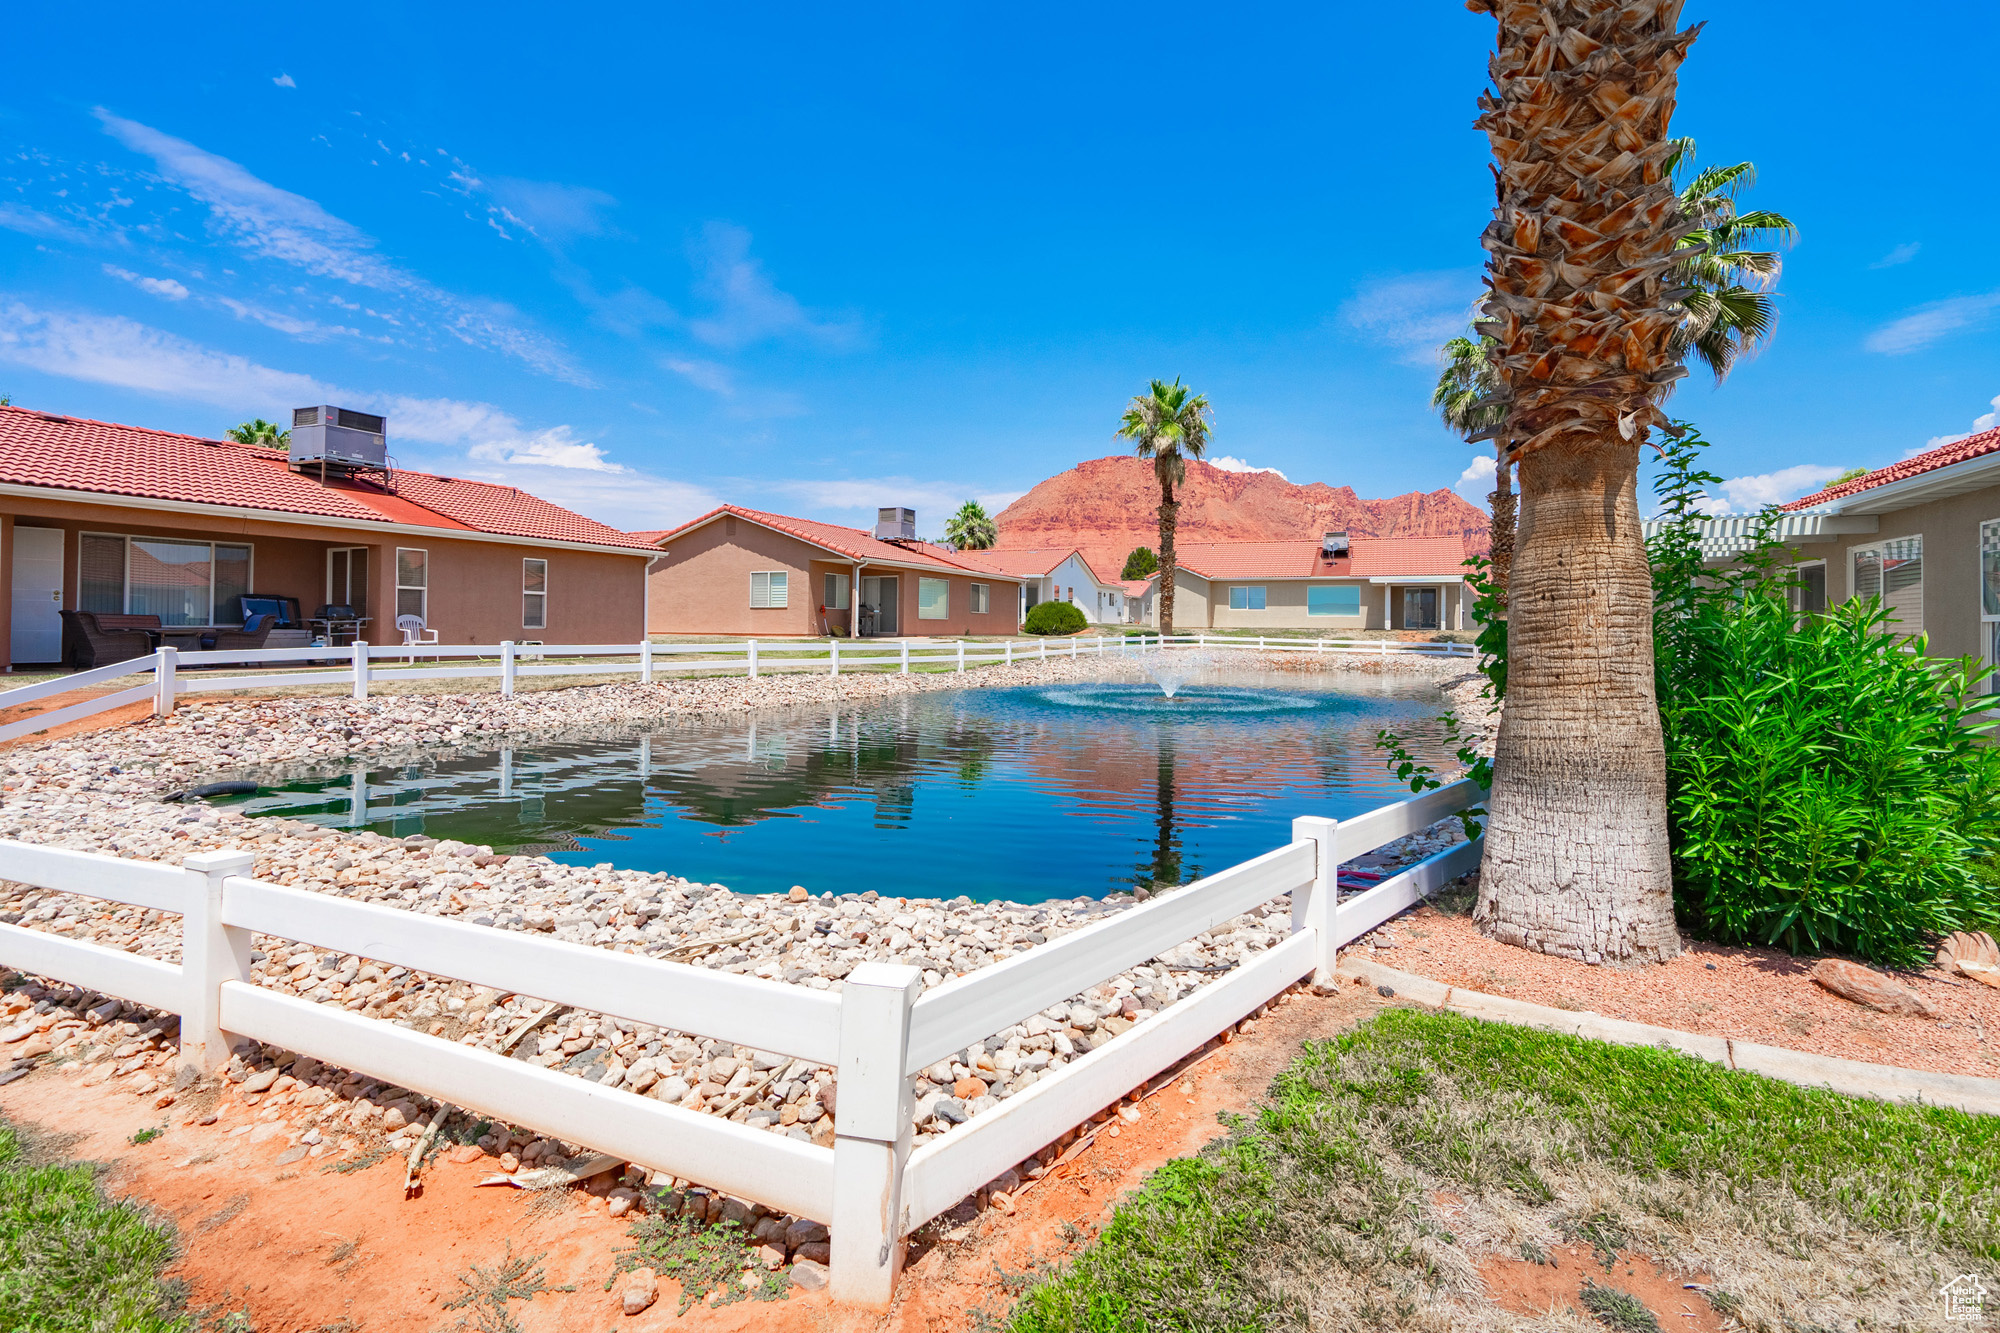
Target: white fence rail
point(876, 1032)
point(362, 664)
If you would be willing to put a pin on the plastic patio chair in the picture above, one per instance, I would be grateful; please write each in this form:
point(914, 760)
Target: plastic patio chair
point(414, 634)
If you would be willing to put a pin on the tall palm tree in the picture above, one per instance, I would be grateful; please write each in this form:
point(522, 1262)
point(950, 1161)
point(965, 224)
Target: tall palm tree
point(970, 529)
point(1169, 423)
point(1732, 308)
point(260, 431)
point(1585, 308)
point(1466, 397)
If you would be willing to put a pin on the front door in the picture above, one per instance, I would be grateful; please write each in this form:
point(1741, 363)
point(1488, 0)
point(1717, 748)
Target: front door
point(878, 602)
point(1420, 608)
point(38, 570)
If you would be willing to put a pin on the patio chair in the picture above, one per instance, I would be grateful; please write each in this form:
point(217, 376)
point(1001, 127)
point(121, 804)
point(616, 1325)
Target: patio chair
point(414, 634)
point(256, 629)
point(95, 639)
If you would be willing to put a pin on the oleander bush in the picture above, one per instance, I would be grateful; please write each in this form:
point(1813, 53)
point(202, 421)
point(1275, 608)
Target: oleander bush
point(1053, 618)
point(1831, 787)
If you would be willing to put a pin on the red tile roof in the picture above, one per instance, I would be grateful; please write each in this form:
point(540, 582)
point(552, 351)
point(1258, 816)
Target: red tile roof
point(853, 543)
point(75, 454)
point(1026, 561)
point(1959, 451)
point(1369, 557)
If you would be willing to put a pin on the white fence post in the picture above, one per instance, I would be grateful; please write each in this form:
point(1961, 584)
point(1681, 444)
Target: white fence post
point(646, 662)
point(753, 659)
point(163, 681)
point(871, 1131)
point(211, 953)
point(834, 644)
point(361, 671)
point(1072, 647)
point(507, 668)
point(1045, 650)
point(1313, 905)
point(906, 657)
point(961, 657)
point(1008, 648)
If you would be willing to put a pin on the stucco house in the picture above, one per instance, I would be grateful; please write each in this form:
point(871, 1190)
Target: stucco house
point(1056, 574)
point(153, 528)
point(738, 571)
point(1923, 535)
point(1333, 585)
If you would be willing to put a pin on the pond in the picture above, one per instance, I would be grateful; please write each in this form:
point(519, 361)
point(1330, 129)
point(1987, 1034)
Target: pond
point(1026, 794)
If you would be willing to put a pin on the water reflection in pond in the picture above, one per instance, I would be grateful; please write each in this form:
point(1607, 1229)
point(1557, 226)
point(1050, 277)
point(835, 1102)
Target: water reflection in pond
point(1029, 793)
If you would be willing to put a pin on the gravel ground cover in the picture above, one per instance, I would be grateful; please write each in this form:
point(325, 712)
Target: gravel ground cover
point(101, 792)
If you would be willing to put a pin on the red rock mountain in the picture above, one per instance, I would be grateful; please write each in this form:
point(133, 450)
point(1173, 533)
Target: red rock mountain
point(1107, 506)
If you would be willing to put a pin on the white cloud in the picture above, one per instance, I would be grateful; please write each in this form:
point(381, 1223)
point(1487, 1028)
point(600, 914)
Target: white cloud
point(1475, 484)
point(285, 81)
point(707, 375)
point(1984, 421)
point(28, 222)
point(305, 330)
point(627, 500)
point(749, 307)
point(934, 501)
point(1227, 463)
point(1928, 323)
point(275, 224)
point(162, 287)
point(549, 208)
point(1902, 254)
point(556, 447)
point(109, 349)
point(1747, 495)
point(1413, 313)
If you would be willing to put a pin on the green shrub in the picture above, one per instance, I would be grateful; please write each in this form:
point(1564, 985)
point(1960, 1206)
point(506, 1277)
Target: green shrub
point(1053, 618)
point(1828, 787)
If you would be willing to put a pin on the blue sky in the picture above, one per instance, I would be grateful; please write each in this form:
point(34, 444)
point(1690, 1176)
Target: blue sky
point(819, 259)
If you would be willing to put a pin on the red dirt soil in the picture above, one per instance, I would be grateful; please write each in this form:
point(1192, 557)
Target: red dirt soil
point(271, 1240)
point(1759, 995)
point(1524, 1287)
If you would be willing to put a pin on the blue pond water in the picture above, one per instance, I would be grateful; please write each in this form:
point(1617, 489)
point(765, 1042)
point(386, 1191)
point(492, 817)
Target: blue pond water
point(1026, 794)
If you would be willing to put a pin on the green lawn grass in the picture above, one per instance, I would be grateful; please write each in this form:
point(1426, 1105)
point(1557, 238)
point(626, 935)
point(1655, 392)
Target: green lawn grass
point(73, 1261)
point(1319, 1210)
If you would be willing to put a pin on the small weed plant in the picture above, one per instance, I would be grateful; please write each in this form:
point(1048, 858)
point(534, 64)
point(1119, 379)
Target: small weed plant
point(702, 1259)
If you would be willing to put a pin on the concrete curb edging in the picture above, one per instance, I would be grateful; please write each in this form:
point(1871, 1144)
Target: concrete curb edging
point(1855, 1078)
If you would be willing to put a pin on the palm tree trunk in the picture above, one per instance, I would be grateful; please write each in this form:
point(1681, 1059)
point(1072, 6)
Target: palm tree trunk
point(1576, 857)
point(1501, 501)
point(1170, 510)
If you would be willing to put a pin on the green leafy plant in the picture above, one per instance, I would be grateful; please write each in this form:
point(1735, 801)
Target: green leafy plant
point(1053, 618)
point(700, 1258)
point(1422, 777)
point(146, 1135)
point(1829, 786)
point(1141, 564)
point(1489, 612)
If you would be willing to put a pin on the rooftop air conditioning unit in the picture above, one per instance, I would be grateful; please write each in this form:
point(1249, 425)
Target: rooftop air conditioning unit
point(1333, 545)
point(896, 525)
point(335, 437)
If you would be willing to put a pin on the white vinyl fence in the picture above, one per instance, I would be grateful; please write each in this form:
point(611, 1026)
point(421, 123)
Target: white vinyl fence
point(879, 1030)
point(361, 664)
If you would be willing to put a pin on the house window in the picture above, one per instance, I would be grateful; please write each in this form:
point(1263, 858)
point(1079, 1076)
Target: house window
point(834, 595)
point(181, 582)
point(768, 589)
point(1893, 573)
point(1989, 599)
point(413, 583)
point(1246, 599)
point(933, 599)
point(982, 598)
point(534, 594)
point(1809, 594)
point(1328, 599)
